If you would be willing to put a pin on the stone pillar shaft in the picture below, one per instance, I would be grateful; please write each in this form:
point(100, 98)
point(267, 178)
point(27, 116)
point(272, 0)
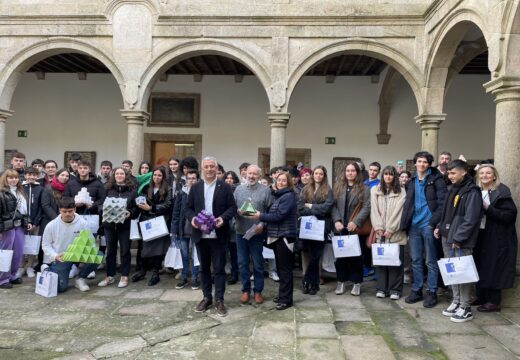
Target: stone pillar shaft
point(4, 115)
point(278, 122)
point(135, 120)
point(430, 125)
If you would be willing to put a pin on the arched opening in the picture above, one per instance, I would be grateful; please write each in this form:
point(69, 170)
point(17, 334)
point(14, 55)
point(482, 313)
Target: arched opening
point(206, 103)
point(66, 100)
point(360, 101)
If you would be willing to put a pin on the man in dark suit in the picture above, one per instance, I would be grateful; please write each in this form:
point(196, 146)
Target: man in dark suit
point(216, 197)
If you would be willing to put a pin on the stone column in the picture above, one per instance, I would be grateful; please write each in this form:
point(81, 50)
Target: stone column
point(507, 136)
point(278, 123)
point(430, 125)
point(4, 115)
point(135, 120)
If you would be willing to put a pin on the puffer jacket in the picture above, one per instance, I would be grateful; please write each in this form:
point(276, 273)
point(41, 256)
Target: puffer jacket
point(386, 212)
point(282, 219)
point(8, 209)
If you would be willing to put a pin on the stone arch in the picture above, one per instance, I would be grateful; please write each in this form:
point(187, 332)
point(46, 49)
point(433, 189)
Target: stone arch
point(366, 47)
point(440, 55)
point(24, 59)
point(202, 47)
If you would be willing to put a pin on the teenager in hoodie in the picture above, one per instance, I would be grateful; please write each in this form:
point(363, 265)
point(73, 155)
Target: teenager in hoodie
point(58, 235)
point(86, 179)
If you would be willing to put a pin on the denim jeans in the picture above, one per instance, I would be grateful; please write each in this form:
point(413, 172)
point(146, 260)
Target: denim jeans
point(185, 253)
point(63, 269)
point(422, 243)
point(251, 249)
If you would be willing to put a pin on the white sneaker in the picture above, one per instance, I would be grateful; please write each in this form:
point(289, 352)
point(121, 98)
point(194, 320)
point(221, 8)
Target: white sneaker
point(73, 271)
point(273, 275)
point(356, 290)
point(340, 288)
point(395, 296)
point(105, 282)
point(81, 284)
point(92, 275)
point(451, 310)
point(44, 267)
point(379, 294)
point(30, 272)
point(19, 273)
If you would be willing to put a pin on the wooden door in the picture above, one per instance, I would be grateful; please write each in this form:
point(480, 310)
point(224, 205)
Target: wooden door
point(164, 150)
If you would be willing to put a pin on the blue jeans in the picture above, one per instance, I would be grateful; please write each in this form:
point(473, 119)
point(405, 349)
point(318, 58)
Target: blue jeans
point(185, 253)
point(247, 249)
point(63, 269)
point(422, 243)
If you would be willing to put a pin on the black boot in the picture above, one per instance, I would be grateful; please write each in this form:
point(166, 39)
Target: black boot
point(305, 287)
point(138, 276)
point(154, 279)
point(313, 290)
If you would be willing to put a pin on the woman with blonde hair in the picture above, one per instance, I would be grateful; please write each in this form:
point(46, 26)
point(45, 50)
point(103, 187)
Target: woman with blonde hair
point(496, 249)
point(13, 222)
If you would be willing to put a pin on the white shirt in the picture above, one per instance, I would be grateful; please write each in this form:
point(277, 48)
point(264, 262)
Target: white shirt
point(485, 201)
point(209, 192)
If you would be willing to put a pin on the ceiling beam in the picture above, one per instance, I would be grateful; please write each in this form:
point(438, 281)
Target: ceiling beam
point(355, 65)
point(219, 64)
point(341, 64)
point(369, 64)
point(192, 66)
point(205, 64)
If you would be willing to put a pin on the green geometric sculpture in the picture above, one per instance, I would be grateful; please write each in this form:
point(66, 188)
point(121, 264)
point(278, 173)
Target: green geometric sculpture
point(248, 208)
point(82, 250)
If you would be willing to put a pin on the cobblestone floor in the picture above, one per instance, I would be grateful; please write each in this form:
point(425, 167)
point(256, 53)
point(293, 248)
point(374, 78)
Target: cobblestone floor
point(159, 322)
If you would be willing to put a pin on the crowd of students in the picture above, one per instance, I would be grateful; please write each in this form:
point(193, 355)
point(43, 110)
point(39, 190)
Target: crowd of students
point(437, 212)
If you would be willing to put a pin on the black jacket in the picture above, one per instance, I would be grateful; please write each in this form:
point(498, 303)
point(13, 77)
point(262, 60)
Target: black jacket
point(321, 208)
point(8, 211)
point(180, 225)
point(34, 195)
point(495, 253)
point(95, 188)
point(435, 192)
point(462, 229)
point(282, 217)
point(158, 207)
point(128, 194)
point(224, 206)
point(49, 207)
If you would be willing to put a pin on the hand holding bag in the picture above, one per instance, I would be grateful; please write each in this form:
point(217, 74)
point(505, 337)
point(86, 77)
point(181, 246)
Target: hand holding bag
point(46, 284)
point(458, 270)
point(311, 228)
point(346, 246)
point(385, 254)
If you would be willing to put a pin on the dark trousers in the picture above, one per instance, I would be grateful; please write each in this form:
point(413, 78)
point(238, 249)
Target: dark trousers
point(493, 296)
point(138, 258)
point(153, 263)
point(212, 252)
point(233, 257)
point(315, 251)
point(115, 237)
point(284, 258)
point(390, 278)
point(366, 252)
point(350, 268)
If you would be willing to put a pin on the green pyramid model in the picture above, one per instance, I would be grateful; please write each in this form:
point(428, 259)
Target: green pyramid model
point(248, 208)
point(82, 250)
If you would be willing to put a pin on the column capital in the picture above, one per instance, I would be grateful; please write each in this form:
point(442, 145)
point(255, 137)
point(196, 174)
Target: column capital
point(137, 117)
point(5, 114)
point(504, 88)
point(279, 120)
point(430, 121)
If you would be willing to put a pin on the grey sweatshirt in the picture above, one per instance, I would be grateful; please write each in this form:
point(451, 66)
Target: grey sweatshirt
point(260, 196)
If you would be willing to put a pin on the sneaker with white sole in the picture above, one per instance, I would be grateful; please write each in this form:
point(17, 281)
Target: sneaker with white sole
point(73, 271)
point(462, 315)
point(109, 280)
point(380, 294)
point(92, 275)
point(340, 288)
point(273, 275)
point(451, 310)
point(356, 290)
point(30, 272)
point(81, 284)
point(395, 296)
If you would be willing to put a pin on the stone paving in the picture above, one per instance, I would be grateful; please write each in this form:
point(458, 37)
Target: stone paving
point(142, 322)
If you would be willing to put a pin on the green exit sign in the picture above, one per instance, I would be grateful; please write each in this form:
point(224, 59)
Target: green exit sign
point(330, 140)
point(22, 133)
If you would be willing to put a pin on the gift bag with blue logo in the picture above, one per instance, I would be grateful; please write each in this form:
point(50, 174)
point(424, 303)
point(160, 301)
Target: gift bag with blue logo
point(346, 246)
point(385, 254)
point(458, 270)
point(153, 228)
point(46, 284)
point(311, 228)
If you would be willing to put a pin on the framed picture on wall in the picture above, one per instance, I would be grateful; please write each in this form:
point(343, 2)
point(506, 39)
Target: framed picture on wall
point(174, 109)
point(338, 163)
point(89, 156)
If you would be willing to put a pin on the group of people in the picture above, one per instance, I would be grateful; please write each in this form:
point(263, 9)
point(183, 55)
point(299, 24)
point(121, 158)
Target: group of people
point(438, 212)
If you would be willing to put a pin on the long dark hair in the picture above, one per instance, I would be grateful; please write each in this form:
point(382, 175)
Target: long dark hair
point(342, 182)
point(309, 193)
point(163, 188)
point(395, 187)
point(111, 183)
point(141, 164)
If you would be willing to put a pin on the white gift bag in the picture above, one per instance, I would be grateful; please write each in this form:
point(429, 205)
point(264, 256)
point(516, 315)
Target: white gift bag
point(153, 228)
point(458, 270)
point(47, 284)
point(346, 246)
point(6, 258)
point(311, 228)
point(385, 254)
point(328, 259)
point(173, 258)
point(92, 223)
point(134, 230)
point(267, 253)
point(31, 245)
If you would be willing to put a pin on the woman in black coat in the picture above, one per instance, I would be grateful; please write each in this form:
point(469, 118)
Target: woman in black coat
point(495, 253)
point(158, 203)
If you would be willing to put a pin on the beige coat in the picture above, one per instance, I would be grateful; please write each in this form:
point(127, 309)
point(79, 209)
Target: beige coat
point(385, 213)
